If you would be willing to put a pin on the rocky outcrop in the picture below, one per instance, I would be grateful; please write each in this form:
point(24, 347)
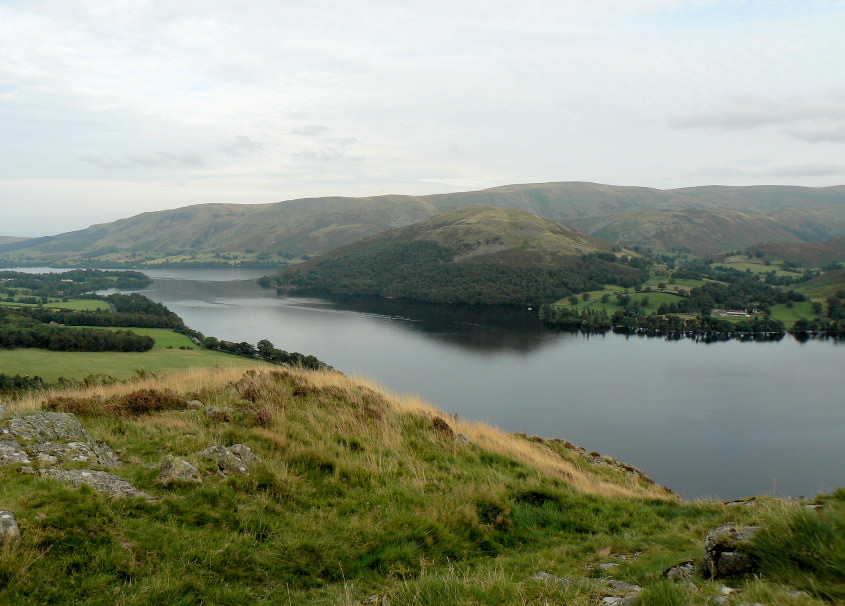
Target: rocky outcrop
point(236, 458)
point(96, 453)
point(685, 571)
point(723, 555)
point(11, 452)
point(47, 427)
point(51, 438)
point(9, 530)
point(173, 470)
point(101, 481)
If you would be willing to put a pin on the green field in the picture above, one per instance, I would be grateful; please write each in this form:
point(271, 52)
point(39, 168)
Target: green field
point(790, 315)
point(73, 304)
point(164, 337)
point(50, 365)
point(743, 263)
point(655, 299)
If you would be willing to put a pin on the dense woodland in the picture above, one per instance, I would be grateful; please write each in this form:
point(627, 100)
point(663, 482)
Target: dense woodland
point(424, 271)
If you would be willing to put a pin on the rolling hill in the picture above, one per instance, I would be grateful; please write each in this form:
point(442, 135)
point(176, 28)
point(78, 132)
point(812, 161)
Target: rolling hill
point(276, 233)
point(479, 254)
point(808, 254)
point(701, 230)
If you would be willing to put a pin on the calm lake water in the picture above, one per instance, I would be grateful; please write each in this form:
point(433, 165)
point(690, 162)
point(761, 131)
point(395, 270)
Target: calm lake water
point(722, 420)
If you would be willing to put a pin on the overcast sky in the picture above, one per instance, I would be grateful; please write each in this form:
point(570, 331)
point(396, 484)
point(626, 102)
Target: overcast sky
point(109, 109)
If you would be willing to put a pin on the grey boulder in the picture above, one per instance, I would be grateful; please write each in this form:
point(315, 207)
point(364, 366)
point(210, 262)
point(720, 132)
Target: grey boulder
point(723, 554)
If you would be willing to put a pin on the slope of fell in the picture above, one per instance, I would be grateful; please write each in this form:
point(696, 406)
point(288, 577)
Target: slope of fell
point(304, 487)
point(473, 255)
point(702, 231)
point(808, 254)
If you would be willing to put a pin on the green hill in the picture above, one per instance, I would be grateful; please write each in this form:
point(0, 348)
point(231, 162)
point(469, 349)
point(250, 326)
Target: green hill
point(284, 231)
point(701, 230)
point(808, 254)
point(472, 255)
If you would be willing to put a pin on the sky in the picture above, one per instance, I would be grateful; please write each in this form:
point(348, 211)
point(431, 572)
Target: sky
point(110, 109)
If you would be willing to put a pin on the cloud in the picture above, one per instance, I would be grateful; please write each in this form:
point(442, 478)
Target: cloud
point(159, 159)
point(817, 134)
point(310, 130)
point(779, 172)
point(328, 154)
point(814, 121)
point(242, 146)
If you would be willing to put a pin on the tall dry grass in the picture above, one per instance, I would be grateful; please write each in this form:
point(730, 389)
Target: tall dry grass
point(535, 455)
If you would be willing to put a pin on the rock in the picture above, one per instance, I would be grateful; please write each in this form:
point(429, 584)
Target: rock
point(622, 588)
point(607, 565)
point(725, 590)
point(47, 427)
point(96, 453)
point(9, 530)
point(177, 470)
point(718, 600)
point(235, 458)
point(549, 578)
point(2, 411)
point(101, 481)
point(681, 572)
point(625, 594)
point(378, 599)
point(11, 452)
point(194, 404)
point(723, 556)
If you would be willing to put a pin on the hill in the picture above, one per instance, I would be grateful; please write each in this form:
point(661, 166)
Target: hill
point(302, 487)
point(829, 284)
point(808, 254)
point(10, 239)
point(703, 231)
point(275, 234)
point(472, 255)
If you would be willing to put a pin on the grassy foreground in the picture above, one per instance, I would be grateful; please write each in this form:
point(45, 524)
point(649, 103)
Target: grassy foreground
point(358, 492)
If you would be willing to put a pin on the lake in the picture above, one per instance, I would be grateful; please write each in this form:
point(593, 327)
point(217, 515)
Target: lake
point(721, 420)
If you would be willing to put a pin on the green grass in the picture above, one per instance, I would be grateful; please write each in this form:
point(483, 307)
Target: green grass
point(790, 315)
point(50, 365)
point(73, 304)
point(164, 337)
point(81, 305)
point(357, 493)
point(655, 299)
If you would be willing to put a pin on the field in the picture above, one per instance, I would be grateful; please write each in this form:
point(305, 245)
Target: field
point(744, 263)
point(50, 365)
point(790, 315)
point(73, 304)
point(655, 299)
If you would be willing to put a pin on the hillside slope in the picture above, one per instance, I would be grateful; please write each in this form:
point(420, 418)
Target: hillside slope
point(473, 255)
point(702, 231)
point(275, 233)
point(809, 254)
point(297, 487)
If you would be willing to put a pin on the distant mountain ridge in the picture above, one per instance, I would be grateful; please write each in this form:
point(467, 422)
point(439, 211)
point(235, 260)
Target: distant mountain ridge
point(313, 226)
